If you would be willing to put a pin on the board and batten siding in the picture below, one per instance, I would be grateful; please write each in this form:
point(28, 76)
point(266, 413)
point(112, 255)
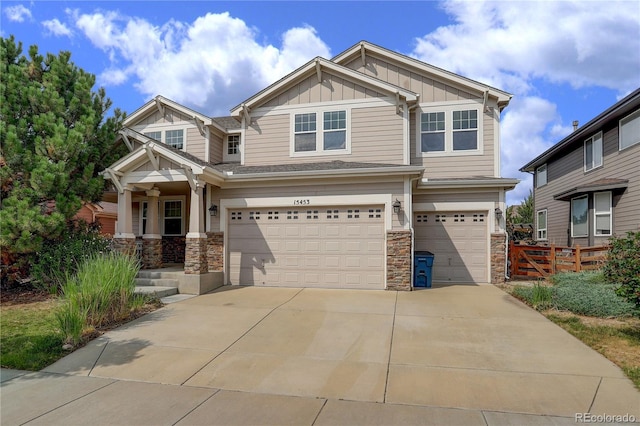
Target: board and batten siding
point(355, 188)
point(376, 137)
point(332, 88)
point(170, 117)
point(459, 166)
point(430, 90)
point(568, 172)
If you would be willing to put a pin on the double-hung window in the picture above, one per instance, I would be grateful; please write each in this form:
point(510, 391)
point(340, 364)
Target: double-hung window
point(630, 130)
point(602, 213)
point(580, 216)
point(154, 135)
point(174, 138)
point(541, 225)
point(593, 152)
point(541, 176)
point(172, 217)
point(452, 128)
point(320, 133)
point(233, 144)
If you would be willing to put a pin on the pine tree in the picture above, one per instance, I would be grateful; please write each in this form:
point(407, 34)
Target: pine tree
point(54, 140)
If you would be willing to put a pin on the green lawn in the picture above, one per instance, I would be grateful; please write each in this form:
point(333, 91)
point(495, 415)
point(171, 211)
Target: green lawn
point(29, 337)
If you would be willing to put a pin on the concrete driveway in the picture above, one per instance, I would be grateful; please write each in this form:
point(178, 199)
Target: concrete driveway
point(250, 355)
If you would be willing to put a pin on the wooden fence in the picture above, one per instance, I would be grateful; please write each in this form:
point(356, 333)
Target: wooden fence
point(527, 261)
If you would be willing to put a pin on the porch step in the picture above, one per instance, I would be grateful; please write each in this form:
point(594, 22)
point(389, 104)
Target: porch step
point(157, 282)
point(157, 291)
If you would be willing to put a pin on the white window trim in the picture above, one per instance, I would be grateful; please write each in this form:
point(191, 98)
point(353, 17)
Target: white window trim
point(633, 115)
point(182, 200)
point(448, 108)
point(546, 175)
point(593, 139)
point(142, 218)
point(609, 213)
point(538, 229)
point(320, 151)
point(163, 128)
point(573, 235)
point(226, 157)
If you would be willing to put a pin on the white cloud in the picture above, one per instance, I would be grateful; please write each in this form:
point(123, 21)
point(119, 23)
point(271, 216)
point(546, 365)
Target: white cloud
point(513, 45)
point(57, 28)
point(210, 64)
point(17, 13)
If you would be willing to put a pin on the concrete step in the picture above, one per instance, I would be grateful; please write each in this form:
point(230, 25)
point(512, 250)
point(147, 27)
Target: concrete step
point(162, 282)
point(157, 291)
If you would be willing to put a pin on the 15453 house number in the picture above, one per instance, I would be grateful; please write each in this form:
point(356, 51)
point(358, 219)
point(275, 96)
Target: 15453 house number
point(302, 202)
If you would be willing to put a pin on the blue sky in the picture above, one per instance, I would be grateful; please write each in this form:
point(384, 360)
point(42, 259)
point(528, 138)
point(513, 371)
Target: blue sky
point(562, 61)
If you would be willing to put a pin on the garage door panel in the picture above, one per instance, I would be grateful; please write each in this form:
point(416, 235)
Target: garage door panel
point(459, 242)
point(324, 247)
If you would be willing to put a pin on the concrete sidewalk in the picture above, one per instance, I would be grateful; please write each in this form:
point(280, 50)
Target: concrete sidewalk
point(250, 355)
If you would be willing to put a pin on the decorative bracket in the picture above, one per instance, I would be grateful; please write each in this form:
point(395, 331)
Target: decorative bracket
point(362, 54)
point(485, 100)
point(152, 158)
point(246, 115)
point(190, 177)
point(199, 124)
point(318, 70)
point(160, 106)
point(115, 180)
point(126, 140)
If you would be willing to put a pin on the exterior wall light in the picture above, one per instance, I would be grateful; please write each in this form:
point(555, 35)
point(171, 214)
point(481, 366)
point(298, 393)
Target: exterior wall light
point(213, 210)
point(396, 206)
point(498, 212)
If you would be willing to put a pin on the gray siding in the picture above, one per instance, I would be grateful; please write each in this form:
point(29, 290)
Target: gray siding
point(376, 136)
point(568, 172)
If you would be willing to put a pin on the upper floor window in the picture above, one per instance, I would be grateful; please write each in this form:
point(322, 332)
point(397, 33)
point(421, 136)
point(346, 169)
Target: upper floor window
point(580, 217)
point(233, 144)
point(541, 225)
point(450, 129)
point(541, 176)
point(593, 152)
point(630, 130)
point(602, 213)
point(154, 135)
point(328, 136)
point(174, 138)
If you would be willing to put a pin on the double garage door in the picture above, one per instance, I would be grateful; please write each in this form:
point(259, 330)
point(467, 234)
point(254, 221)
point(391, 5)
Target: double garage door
point(459, 242)
point(334, 247)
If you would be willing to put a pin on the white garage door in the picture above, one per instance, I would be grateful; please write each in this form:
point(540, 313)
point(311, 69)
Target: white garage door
point(459, 242)
point(334, 247)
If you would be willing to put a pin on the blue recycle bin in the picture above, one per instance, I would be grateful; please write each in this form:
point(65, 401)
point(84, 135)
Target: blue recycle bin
point(422, 266)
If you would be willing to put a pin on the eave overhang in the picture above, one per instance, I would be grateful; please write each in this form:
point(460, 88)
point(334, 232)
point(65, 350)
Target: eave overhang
point(596, 186)
point(362, 48)
point(503, 183)
point(317, 66)
point(378, 172)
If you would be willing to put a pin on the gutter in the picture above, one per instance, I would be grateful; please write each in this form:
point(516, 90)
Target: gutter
point(387, 171)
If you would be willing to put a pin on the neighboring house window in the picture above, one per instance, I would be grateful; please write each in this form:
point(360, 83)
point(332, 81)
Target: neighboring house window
point(630, 130)
point(541, 225)
point(593, 152)
point(233, 144)
point(602, 213)
point(174, 138)
point(541, 176)
point(450, 128)
point(335, 130)
point(154, 135)
point(580, 217)
point(465, 130)
point(305, 132)
point(172, 217)
point(432, 131)
point(320, 133)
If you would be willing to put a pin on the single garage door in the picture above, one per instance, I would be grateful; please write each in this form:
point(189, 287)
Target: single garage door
point(333, 247)
point(459, 242)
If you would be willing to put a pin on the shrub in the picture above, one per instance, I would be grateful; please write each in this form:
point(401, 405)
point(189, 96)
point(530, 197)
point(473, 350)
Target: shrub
point(623, 266)
point(538, 296)
point(100, 293)
point(61, 257)
point(591, 299)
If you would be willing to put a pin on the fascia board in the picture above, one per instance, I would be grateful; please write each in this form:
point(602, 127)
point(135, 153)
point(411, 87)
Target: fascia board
point(323, 174)
point(140, 112)
point(308, 68)
point(503, 97)
point(470, 183)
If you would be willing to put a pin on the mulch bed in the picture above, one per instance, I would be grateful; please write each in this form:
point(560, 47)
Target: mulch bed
point(20, 296)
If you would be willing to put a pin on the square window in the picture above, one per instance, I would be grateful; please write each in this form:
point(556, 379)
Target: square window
point(174, 138)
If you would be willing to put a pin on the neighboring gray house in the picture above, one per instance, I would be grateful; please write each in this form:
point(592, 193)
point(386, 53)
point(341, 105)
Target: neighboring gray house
point(331, 177)
point(587, 186)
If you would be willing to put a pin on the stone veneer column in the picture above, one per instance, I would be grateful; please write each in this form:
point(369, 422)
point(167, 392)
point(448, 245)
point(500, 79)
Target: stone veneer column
point(399, 260)
point(215, 251)
point(152, 240)
point(124, 245)
point(195, 256)
point(498, 258)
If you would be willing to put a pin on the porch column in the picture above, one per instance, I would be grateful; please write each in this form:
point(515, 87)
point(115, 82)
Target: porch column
point(124, 241)
point(195, 258)
point(152, 240)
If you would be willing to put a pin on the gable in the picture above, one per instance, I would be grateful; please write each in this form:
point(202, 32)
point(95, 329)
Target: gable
point(430, 88)
point(170, 117)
